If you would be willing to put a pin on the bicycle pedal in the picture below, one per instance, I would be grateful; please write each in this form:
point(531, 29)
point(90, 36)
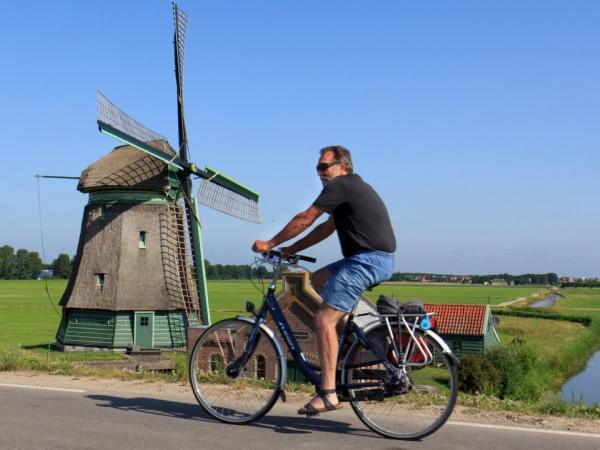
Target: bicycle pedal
point(312, 414)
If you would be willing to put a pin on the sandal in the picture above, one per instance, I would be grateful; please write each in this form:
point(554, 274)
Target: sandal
point(311, 411)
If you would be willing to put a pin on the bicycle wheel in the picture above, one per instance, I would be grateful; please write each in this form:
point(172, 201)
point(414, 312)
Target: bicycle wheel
point(416, 406)
point(247, 396)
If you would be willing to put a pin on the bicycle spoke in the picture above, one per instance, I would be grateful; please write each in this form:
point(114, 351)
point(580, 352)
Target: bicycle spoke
point(410, 403)
point(250, 394)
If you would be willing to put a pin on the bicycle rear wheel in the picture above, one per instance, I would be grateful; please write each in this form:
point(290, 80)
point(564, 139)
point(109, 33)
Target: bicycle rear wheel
point(235, 399)
point(418, 405)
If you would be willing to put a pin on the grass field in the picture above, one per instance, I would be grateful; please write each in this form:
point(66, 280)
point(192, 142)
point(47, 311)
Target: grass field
point(456, 293)
point(584, 301)
point(30, 318)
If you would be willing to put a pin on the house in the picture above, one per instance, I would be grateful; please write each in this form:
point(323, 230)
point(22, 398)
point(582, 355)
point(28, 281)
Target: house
point(499, 282)
point(45, 273)
point(467, 329)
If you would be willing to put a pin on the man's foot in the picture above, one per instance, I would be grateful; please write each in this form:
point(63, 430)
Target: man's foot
point(325, 400)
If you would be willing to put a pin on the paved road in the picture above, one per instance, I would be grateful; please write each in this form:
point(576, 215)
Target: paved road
point(78, 419)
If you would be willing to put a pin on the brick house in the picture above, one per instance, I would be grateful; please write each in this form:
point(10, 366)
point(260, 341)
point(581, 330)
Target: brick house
point(298, 301)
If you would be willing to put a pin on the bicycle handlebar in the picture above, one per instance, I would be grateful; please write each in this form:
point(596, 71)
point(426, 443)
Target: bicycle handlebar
point(292, 259)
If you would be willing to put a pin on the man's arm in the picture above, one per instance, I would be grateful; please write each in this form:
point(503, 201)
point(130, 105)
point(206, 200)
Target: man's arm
point(297, 225)
point(320, 233)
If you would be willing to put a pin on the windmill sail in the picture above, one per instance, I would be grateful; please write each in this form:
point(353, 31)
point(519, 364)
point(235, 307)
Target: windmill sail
point(214, 194)
point(218, 191)
point(118, 124)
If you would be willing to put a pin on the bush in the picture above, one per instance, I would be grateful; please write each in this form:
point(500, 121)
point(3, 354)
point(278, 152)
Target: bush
point(516, 364)
point(13, 358)
point(477, 375)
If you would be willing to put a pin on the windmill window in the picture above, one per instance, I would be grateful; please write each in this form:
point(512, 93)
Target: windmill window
point(142, 240)
point(303, 335)
point(216, 363)
point(143, 321)
point(100, 280)
point(261, 367)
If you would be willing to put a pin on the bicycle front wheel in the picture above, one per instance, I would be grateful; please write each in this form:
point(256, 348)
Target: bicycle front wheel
point(419, 403)
point(253, 390)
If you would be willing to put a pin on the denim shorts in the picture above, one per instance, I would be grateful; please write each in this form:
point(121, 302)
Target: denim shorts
point(351, 276)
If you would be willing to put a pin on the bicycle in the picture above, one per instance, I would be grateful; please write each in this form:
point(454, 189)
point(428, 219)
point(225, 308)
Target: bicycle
point(398, 375)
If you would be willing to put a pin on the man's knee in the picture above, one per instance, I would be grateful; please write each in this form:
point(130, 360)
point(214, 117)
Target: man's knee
point(327, 318)
point(319, 321)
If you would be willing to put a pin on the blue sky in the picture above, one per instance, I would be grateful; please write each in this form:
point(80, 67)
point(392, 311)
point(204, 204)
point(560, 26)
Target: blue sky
point(476, 121)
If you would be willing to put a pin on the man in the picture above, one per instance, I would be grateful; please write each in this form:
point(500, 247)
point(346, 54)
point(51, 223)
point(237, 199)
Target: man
point(368, 243)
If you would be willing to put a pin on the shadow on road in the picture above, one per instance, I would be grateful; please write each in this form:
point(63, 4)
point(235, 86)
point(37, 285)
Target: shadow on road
point(276, 423)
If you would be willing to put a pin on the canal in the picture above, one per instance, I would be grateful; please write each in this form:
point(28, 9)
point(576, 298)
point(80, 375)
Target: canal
point(585, 386)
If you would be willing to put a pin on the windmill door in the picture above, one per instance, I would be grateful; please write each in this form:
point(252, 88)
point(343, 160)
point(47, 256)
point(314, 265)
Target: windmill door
point(144, 329)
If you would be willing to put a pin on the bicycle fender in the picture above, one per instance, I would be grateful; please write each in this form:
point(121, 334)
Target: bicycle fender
point(445, 349)
point(278, 347)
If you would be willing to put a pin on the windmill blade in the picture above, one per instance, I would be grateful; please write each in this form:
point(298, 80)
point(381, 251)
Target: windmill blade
point(181, 23)
point(226, 195)
point(217, 191)
point(115, 123)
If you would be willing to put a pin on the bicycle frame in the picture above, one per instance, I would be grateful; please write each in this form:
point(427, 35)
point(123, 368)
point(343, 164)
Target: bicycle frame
point(270, 305)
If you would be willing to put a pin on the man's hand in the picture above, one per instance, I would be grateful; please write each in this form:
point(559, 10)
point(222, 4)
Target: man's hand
point(261, 246)
point(288, 251)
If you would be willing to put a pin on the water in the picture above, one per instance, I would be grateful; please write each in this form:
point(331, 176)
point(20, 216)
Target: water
point(547, 302)
point(585, 386)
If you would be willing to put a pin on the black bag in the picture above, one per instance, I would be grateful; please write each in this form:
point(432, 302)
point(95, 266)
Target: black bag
point(389, 305)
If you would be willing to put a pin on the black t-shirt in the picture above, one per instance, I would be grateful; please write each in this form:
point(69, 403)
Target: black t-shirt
point(361, 218)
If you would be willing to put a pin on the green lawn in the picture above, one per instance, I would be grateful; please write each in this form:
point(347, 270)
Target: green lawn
point(580, 300)
point(456, 293)
point(28, 316)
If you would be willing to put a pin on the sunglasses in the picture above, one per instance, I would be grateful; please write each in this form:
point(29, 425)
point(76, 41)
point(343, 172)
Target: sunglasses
point(322, 167)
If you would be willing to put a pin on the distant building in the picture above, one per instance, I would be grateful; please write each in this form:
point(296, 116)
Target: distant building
point(499, 282)
point(46, 273)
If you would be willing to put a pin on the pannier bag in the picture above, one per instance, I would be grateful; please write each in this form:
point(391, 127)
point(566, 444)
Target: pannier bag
point(389, 305)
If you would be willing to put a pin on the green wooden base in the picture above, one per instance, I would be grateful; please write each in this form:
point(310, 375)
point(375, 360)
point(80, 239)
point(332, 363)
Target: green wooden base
point(122, 329)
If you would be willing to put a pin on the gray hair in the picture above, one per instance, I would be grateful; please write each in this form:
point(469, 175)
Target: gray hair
point(341, 155)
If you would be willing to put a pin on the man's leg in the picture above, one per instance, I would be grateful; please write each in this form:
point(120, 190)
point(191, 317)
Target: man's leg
point(325, 321)
point(319, 278)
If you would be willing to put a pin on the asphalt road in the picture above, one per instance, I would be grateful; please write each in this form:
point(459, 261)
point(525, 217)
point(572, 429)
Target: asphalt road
point(85, 419)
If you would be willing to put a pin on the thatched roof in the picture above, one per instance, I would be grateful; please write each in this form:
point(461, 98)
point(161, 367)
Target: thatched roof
point(125, 167)
point(112, 272)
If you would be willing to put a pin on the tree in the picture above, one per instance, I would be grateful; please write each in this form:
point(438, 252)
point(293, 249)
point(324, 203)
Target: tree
point(21, 266)
point(35, 265)
point(7, 262)
point(27, 264)
point(62, 266)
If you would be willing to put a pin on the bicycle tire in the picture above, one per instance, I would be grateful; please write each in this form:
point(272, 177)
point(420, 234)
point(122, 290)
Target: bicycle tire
point(251, 394)
point(409, 412)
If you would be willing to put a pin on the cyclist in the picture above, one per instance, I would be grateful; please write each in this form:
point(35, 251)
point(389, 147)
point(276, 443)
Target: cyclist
point(367, 241)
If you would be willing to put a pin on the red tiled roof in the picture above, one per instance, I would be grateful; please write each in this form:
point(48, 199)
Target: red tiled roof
point(459, 319)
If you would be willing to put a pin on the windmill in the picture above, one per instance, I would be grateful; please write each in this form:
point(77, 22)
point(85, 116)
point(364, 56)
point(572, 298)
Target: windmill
point(139, 276)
